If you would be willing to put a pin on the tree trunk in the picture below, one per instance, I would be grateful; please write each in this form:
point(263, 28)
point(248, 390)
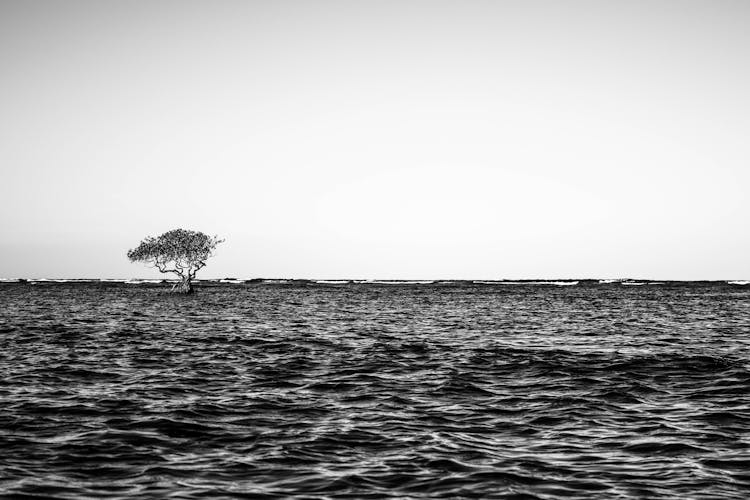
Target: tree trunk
point(184, 286)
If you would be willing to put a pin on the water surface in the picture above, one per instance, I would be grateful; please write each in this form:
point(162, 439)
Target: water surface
point(373, 390)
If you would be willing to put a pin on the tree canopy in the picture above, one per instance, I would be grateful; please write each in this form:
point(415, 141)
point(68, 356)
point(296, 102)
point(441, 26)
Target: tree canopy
point(179, 251)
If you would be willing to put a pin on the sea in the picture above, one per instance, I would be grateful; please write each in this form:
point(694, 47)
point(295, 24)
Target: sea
point(363, 389)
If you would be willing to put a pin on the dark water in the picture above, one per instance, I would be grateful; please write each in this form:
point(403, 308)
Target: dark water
point(367, 391)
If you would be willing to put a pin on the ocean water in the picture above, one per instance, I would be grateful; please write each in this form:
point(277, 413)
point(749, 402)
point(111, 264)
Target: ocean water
point(367, 390)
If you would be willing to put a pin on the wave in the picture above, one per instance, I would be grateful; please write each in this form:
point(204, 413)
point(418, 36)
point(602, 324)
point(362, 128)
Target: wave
point(284, 281)
point(741, 282)
point(62, 280)
point(555, 283)
point(396, 282)
point(332, 282)
point(373, 392)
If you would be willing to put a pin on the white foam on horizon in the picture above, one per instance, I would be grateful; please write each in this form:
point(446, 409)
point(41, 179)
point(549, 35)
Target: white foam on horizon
point(54, 280)
point(633, 283)
point(394, 282)
point(555, 283)
point(332, 282)
point(386, 282)
point(740, 282)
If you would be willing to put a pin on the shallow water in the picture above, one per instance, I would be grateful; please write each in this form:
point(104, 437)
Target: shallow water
point(370, 391)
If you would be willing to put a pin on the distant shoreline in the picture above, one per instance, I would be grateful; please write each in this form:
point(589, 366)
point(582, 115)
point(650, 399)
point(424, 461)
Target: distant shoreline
point(392, 282)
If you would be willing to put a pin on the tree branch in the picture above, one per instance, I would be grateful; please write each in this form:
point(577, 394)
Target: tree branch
point(163, 269)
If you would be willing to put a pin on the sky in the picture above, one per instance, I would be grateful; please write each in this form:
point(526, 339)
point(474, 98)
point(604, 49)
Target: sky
point(410, 139)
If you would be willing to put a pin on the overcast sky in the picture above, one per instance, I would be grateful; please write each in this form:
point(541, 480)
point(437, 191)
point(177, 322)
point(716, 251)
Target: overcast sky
point(378, 139)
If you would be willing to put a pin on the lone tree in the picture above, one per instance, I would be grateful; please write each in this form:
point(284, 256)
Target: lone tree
point(178, 251)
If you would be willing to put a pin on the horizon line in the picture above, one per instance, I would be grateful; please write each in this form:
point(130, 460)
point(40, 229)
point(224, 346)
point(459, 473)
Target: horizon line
point(365, 280)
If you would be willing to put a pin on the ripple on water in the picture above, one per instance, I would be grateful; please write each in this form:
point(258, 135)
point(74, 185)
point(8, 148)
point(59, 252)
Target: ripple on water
point(373, 390)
